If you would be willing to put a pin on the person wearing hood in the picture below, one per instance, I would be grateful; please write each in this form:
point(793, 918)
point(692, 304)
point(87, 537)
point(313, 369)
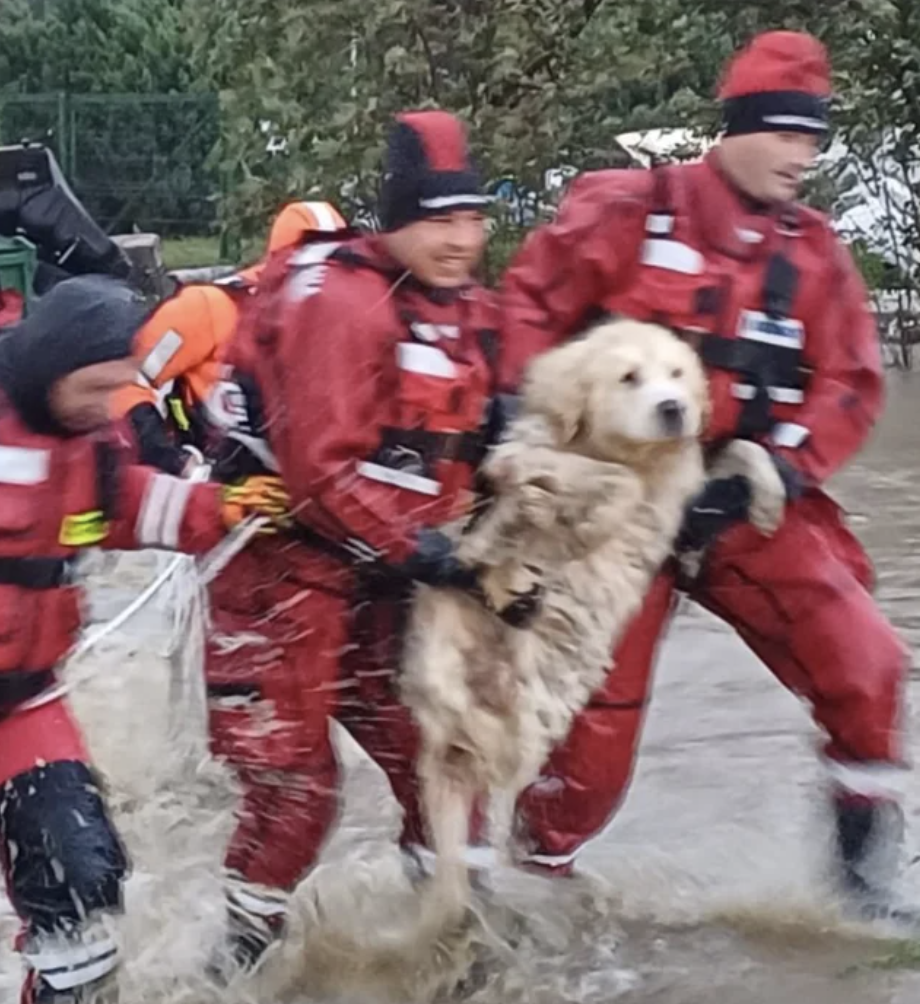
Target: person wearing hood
point(65, 485)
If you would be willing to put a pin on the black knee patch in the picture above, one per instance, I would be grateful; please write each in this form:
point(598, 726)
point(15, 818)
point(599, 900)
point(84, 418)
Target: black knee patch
point(64, 857)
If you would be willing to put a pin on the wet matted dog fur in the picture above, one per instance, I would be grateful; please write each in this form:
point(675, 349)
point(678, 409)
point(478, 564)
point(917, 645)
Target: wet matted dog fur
point(590, 486)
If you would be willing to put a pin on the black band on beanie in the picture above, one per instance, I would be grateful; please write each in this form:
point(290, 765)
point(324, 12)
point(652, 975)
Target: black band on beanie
point(406, 200)
point(775, 111)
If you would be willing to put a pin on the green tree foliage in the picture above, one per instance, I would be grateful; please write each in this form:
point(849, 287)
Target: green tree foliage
point(324, 77)
point(112, 84)
point(96, 47)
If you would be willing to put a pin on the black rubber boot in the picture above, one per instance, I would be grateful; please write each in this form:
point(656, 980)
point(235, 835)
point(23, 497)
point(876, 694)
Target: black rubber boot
point(869, 837)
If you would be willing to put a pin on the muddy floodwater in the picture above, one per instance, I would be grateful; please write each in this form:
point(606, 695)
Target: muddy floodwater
point(708, 887)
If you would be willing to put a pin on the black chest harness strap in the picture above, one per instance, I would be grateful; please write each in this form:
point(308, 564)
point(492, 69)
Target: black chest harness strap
point(766, 367)
point(36, 573)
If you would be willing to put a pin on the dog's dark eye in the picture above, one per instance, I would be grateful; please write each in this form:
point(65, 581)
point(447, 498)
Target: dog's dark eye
point(677, 374)
point(631, 378)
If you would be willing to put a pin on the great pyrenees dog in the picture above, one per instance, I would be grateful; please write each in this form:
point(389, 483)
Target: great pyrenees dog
point(588, 491)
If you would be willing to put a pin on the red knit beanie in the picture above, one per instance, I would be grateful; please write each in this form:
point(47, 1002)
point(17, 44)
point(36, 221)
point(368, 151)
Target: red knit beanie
point(429, 170)
point(780, 82)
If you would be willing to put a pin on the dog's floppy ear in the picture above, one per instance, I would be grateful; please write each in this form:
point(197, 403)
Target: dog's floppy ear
point(556, 387)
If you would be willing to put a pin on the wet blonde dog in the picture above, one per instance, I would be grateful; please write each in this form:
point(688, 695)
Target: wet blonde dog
point(590, 486)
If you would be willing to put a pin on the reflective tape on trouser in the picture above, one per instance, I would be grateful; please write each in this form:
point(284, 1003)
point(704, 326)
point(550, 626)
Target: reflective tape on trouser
point(75, 960)
point(874, 780)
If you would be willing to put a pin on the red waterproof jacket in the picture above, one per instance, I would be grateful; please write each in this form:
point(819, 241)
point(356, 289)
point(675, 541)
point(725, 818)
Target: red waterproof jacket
point(367, 392)
point(58, 495)
point(771, 298)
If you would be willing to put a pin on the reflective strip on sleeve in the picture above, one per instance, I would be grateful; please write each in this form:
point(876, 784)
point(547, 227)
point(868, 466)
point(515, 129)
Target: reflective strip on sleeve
point(326, 218)
point(159, 356)
point(313, 254)
point(161, 513)
point(20, 465)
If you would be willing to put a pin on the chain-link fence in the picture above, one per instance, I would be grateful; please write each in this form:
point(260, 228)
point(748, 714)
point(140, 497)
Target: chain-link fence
point(134, 160)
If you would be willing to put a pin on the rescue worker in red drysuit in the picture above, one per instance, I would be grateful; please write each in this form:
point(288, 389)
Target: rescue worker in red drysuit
point(720, 250)
point(63, 486)
point(363, 372)
point(180, 346)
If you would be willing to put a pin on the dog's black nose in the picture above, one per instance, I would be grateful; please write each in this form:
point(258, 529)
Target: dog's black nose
point(521, 611)
point(672, 413)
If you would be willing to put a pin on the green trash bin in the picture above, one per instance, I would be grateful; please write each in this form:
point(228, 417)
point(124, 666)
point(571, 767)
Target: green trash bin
point(18, 260)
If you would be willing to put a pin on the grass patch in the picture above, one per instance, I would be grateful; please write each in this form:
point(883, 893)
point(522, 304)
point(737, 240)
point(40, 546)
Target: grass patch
point(191, 252)
point(903, 955)
point(202, 252)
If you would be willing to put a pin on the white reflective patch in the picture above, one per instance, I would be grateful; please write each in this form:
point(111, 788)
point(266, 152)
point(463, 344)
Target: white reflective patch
point(325, 218)
point(158, 357)
point(476, 857)
point(796, 121)
point(749, 236)
point(871, 780)
point(786, 332)
point(313, 254)
point(659, 223)
point(160, 517)
point(232, 281)
point(672, 256)
point(67, 963)
point(446, 201)
point(399, 479)
point(20, 465)
point(553, 860)
point(306, 282)
point(789, 434)
point(258, 447)
point(435, 332)
point(426, 359)
point(309, 270)
point(781, 395)
point(269, 903)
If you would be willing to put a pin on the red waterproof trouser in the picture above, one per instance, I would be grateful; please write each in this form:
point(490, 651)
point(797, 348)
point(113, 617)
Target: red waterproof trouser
point(801, 601)
point(45, 734)
point(282, 660)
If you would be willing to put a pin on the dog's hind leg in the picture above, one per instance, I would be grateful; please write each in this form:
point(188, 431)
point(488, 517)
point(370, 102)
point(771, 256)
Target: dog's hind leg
point(447, 798)
point(502, 804)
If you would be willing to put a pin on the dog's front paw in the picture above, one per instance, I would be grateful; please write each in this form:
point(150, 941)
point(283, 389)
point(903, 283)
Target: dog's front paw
point(768, 508)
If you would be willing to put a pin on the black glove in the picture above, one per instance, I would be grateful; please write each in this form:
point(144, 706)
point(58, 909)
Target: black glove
point(721, 504)
point(156, 447)
point(434, 563)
